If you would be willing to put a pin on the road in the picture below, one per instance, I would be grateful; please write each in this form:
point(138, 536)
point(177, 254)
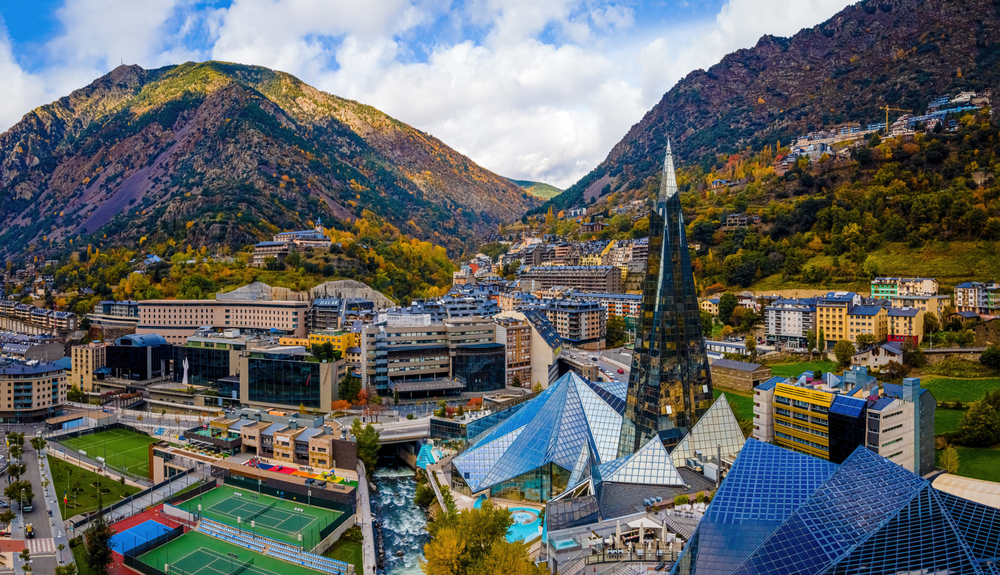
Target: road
point(43, 546)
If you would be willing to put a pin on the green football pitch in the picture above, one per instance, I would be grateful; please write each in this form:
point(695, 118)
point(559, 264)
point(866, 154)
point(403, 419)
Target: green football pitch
point(272, 517)
point(195, 553)
point(121, 449)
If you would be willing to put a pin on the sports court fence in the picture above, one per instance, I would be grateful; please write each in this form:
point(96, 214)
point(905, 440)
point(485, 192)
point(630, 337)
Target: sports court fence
point(132, 555)
point(128, 501)
point(54, 443)
point(346, 511)
point(191, 494)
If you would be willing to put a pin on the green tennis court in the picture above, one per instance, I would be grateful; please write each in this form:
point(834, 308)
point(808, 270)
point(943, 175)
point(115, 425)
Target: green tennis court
point(121, 449)
point(279, 519)
point(198, 554)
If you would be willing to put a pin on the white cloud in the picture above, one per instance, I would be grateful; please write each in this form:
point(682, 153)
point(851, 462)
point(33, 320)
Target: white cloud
point(20, 92)
point(529, 89)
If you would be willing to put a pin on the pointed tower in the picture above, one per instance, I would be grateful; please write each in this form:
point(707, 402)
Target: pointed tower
point(669, 387)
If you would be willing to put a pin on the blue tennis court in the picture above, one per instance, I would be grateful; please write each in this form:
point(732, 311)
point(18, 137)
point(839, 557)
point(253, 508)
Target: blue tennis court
point(137, 535)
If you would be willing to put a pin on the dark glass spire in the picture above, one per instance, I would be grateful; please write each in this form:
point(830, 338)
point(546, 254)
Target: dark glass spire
point(669, 387)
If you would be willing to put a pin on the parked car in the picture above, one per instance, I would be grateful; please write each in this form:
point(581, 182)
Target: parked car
point(310, 481)
point(4, 504)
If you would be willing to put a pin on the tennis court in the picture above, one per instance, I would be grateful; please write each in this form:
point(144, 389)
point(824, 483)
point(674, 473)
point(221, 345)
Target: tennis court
point(136, 535)
point(121, 449)
point(198, 554)
point(279, 519)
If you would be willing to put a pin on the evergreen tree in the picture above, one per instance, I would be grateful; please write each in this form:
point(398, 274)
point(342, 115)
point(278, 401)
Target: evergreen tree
point(97, 540)
point(368, 444)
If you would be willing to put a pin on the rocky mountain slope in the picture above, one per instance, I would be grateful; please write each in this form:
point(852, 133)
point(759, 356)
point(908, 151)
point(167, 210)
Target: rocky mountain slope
point(902, 53)
point(214, 153)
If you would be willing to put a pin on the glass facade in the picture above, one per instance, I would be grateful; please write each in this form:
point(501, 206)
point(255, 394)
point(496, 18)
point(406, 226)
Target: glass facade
point(138, 363)
point(848, 421)
point(716, 431)
point(283, 381)
point(778, 512)
point(538, 485)
point(669, 386)
point(205, 365)
point(651, 465)
point(571, 425)
point(483, 366)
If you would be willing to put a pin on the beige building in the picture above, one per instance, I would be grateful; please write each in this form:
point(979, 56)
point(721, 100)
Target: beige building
point(581, 323)
point(516, 335)
point(906, 324)
point(86, 359)
point(738, 375)
point(603, 279)
point(31, 393)
point(545, 347)
point(831, 316)
point(934, 304)
point(865, 319)
point(176, 320)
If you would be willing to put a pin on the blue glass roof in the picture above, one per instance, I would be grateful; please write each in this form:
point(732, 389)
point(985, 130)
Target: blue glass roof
point(849, 406)
point(869, 516)
point(573, 424)
point(651, 465)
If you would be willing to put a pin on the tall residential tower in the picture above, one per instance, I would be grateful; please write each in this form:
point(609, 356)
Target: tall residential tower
point(670, 387)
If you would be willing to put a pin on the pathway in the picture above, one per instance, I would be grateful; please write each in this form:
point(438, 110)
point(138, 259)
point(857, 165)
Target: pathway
point(364, 508)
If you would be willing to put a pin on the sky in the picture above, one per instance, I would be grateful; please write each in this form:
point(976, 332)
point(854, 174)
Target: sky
point(530, 89)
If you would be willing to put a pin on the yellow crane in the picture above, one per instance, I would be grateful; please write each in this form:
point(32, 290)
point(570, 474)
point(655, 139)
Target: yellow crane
point(887, 108)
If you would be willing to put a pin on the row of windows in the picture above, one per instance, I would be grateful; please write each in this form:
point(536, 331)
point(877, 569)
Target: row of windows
point(897, 440)
point(800, 428)
point(812, 444)
point(893, 428)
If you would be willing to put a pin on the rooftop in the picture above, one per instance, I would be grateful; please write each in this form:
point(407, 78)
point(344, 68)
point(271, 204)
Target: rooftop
point(733, 364)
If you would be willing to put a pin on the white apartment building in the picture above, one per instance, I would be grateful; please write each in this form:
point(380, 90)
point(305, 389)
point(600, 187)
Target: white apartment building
point(787, 321)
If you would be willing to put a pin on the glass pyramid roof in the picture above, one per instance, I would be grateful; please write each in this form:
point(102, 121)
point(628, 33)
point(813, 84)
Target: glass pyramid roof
point(573, 424)
point(651, 465)
point(764, 487)
point(870, 516)
point(717, 427)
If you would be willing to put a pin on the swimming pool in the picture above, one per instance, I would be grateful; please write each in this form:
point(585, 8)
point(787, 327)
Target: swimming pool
point(565, 544)
point(526, 524)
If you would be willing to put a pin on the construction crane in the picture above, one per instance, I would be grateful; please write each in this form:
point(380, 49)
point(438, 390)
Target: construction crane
point(887, 108)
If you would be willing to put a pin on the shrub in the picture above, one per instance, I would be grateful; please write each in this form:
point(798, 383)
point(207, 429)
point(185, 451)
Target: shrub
point(682, 500)
point(409, 416)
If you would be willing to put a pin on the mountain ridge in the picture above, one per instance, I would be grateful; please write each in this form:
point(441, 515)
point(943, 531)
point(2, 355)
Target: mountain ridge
point(217, 153)
point(874, 52)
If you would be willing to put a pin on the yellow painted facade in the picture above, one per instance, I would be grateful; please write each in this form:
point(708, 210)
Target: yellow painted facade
point(874, 324)
point(801, 419)
point(341, 340)
point(294, 341)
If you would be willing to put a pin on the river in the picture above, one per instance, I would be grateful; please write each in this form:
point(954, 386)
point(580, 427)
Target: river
point(403, 522)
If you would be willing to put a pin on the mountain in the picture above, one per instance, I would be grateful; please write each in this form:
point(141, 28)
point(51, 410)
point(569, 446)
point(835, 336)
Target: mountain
point(902, 53)
point(538, 189)
point(215, 153)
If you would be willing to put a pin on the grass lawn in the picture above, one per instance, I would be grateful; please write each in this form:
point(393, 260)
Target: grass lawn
point(122, 449)
point(964, 390)
point(946, 420)
point(742, 404)
point(66, 474)
point(796, 369)
point(348, 552)
point(79, 556)
point(977, 462)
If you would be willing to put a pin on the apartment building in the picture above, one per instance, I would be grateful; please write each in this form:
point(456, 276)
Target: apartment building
point(581, 323)
point(978, 297)
point(788, 321)
point(515, 334)
point(31, 391)
point(264, 250)
point(866, 319)
point(887, 288)
point(934, 304)
point(115, 314)
point(620, 304)
point(602, 279)
point(176, 320)
point(831, 315)
point(545, 346)
point(906, 324)
point(901, 425)
point(86, 359)
point(39, 317)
